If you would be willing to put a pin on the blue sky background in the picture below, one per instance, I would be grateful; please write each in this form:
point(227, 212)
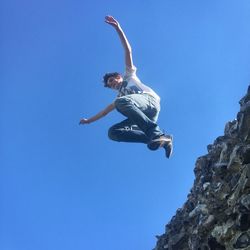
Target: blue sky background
point(65, 186)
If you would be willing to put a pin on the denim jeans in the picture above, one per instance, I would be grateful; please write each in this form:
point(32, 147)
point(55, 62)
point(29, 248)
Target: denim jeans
point(142, 112)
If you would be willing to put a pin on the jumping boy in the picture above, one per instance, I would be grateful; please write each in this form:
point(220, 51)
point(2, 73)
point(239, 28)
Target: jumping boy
point(136, 101)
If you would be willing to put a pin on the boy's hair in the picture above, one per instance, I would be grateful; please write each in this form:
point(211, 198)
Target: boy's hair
point(108, 75)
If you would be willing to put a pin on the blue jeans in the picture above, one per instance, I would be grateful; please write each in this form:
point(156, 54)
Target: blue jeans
point(142, 112)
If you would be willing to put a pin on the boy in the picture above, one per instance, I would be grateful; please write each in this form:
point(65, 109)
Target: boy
point(139, 103)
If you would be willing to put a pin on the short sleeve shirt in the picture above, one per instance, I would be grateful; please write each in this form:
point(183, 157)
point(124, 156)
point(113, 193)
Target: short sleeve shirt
point(132, 85)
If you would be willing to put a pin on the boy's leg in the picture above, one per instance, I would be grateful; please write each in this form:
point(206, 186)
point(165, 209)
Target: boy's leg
point(139, 110)
point(127, 131)
point(143, 111)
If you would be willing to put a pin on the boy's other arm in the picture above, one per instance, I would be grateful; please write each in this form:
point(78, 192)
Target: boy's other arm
point(99, 115)
point(125, 43)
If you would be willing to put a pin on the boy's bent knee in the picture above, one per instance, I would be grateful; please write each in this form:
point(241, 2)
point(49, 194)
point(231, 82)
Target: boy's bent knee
point(122, 101)
point(112, 134)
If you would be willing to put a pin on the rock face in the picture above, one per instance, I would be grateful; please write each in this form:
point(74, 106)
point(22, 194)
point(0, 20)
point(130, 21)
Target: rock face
point(216, 215)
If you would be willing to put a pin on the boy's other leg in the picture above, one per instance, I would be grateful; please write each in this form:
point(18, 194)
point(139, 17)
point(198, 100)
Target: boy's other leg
point(138, 110)
point(127, 131)
point(142, 112)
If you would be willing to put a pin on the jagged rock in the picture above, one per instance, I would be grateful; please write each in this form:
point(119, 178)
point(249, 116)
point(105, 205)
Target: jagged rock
point(209, 222)
point(201, 208)
point(246, 155)
point(223, 232)
point(235, 159)
point(216, 215)
point(214, 245)
point(243, 241)
point(244, 121)
point(245, 201)
point(231, 128)
point(206, 185)
point(243, 221)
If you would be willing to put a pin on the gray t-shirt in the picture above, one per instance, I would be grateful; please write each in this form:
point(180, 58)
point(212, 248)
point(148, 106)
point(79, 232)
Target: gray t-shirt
point(133, 85)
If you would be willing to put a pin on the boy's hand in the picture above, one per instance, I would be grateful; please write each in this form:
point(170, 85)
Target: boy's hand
point(84, 121)
point(110, 20)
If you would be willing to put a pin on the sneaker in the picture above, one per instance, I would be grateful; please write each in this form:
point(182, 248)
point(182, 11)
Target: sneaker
point(164, 141)
point(168, 148)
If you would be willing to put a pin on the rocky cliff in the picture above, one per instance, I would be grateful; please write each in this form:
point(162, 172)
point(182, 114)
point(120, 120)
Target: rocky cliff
point(216, 215)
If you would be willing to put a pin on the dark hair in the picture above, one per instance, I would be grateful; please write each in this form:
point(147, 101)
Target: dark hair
point(108, 75)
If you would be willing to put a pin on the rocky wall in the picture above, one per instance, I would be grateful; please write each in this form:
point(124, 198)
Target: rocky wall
point(216, 215)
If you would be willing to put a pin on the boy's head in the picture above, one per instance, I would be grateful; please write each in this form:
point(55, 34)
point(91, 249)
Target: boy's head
point(112, 80)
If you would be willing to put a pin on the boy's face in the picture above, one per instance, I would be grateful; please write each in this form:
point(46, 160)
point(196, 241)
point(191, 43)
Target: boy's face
point(114, 82)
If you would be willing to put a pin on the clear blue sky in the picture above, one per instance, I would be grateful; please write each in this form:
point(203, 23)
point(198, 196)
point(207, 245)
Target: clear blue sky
point(65, 186)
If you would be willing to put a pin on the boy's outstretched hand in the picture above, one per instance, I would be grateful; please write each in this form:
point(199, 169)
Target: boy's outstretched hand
point(110, 20)
point(83, 121)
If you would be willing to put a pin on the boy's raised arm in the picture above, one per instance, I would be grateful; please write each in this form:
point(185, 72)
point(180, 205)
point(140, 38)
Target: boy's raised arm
point(125, 43)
